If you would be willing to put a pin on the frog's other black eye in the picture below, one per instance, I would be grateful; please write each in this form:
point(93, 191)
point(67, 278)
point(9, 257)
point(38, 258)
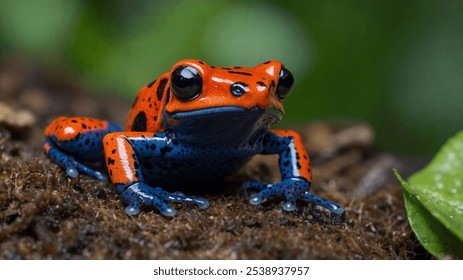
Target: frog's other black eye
point(186, 82)
point(285, 83)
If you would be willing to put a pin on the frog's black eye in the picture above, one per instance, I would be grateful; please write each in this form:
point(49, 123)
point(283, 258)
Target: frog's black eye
point(285, 83)
point(186, 82)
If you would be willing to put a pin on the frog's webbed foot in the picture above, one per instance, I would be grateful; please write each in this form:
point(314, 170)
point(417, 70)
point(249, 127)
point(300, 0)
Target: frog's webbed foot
point(291, 189)
point(139, 193)
point(72, 166)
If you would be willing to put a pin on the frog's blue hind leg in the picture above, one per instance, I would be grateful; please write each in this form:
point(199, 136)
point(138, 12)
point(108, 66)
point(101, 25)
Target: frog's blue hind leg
point(69, 163)
point(72, 140)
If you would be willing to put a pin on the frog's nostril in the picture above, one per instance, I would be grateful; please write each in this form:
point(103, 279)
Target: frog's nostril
point(238, 89)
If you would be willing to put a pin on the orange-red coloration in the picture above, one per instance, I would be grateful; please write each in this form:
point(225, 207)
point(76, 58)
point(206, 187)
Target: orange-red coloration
point(120, 156)
point(303, 159)
point(217, 82)
point(148, 102)
point(67, 128)
point(46, 147)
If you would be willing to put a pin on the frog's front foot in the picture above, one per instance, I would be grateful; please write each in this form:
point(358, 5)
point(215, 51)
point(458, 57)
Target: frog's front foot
point(291, 189)
point(139, 193)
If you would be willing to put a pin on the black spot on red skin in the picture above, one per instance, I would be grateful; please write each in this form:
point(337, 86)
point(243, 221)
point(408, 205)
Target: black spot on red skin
point(160, 89)
point(139, 123)
point(240, 73)
point(111, 161)
point(168, 95)
point(262, 84)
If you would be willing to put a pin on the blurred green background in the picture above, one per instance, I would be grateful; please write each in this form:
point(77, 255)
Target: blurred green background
point(395, 64)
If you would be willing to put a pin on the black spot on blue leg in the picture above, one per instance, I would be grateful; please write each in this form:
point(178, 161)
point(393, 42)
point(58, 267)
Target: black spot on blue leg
point(165, 150)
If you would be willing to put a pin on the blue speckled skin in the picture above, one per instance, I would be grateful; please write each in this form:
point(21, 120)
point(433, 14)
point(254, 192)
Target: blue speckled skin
point(208, 139)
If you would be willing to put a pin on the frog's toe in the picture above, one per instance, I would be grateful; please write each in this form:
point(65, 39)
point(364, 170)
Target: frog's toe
point(133, 209)
point(83, 169)
point(333, 207)
point(256, 199)
point(289, 206)
point(139, 193)
point(201, 202)
point(72, 172)
point(291, 194)
point(100, 176)
point(168, 212)
point(74, 168)
point(290, 189)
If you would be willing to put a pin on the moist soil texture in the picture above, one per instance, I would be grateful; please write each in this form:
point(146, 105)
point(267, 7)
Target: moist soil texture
point(45, 214)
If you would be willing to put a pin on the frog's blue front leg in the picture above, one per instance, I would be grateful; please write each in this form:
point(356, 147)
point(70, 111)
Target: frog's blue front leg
point(123, 151)
point(295, 169)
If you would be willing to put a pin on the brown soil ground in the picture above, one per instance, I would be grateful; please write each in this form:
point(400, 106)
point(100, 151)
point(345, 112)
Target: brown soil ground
point(46, 215)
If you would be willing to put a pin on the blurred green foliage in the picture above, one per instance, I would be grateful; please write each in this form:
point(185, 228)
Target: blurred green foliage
point(396, 64)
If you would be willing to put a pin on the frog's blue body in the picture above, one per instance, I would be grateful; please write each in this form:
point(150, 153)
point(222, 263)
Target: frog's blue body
point(200, 146)
point(196, 123)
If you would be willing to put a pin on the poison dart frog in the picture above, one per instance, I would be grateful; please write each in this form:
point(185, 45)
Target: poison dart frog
point(194, 123)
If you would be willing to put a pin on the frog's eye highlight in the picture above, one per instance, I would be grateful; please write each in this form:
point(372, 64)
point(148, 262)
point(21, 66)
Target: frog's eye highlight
point(285, 83)
point(186, 82)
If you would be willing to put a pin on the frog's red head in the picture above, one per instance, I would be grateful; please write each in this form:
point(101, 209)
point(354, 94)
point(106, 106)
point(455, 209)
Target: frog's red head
point(197, 87)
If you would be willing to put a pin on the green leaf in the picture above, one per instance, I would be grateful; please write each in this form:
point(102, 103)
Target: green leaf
point(434, 201)
point(431, 233)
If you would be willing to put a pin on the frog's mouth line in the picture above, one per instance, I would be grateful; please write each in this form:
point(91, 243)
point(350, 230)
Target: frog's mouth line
point(223, 110)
